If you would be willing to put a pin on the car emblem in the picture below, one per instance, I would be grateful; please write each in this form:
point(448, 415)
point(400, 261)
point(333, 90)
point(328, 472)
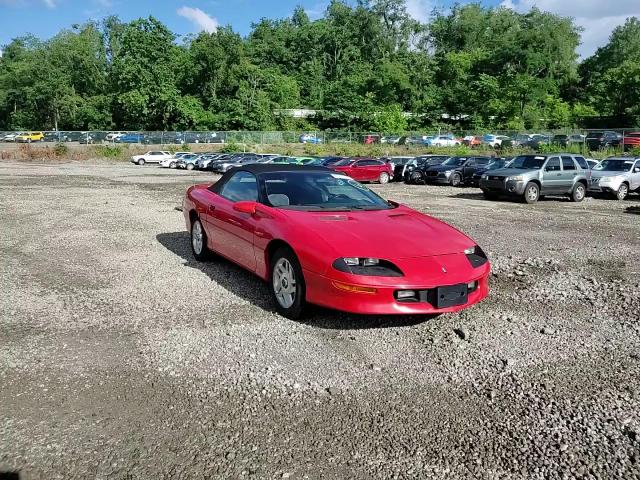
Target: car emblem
point(444, 270)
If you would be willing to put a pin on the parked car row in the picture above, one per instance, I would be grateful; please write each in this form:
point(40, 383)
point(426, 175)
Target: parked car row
point(530, 177)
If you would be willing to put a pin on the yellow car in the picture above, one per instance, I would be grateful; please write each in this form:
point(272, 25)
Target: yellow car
point(28, 137)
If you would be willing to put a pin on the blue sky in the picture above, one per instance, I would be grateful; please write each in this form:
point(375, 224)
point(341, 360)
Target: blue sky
point(45, 18)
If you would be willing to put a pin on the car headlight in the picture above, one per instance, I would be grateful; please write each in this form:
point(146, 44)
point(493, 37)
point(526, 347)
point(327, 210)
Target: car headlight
point(484, 176)
point(372, 267)
point(516, 178)
point(476, 256)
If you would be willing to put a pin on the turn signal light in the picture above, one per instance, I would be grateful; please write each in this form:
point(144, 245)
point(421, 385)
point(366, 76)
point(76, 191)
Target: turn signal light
point(346, 287)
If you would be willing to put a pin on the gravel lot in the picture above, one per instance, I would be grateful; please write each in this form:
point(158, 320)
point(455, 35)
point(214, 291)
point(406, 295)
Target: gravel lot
point(123, 358)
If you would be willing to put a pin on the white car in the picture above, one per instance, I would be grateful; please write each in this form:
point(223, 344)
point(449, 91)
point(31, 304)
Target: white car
point(444, 141)
point(113, 136)
point(170, 162)
point(11, 137)
point(154, 156)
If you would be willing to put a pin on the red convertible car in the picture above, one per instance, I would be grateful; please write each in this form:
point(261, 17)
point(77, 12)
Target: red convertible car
point(320, 237)
point(365, 169)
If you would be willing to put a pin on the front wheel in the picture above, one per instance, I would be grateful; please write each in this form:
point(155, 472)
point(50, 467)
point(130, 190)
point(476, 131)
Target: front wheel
point(531, 193)
point(622, 192)
point(578, 193)
point(141, 162)
point(384, 178)
point(189, 166)
point(287, 284)
point(172, 165)
point(455, 180)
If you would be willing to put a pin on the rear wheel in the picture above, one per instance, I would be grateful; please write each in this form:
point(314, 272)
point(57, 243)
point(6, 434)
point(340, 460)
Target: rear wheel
point(578, 193)
point(383, 178)
point(455, 180)
point(531, 193)
point(189, 166)
point(199, 242)
point(416, 178)
point(622, 192)
point(141, 162)
point(287, 284)
point(172, 165)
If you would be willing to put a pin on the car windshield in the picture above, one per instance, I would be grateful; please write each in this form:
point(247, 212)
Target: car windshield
point(421, 162)
point(455, 161)
point(319, 191)
point(527, 162)
point(614, 165)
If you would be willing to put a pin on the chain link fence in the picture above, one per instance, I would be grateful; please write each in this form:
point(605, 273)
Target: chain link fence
point(575, 139)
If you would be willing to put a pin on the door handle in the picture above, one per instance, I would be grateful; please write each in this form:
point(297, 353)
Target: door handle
point(558, 174)
point(212, 208)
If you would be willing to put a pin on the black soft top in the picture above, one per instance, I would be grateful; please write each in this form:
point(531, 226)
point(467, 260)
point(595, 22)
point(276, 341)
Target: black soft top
point(260, 168)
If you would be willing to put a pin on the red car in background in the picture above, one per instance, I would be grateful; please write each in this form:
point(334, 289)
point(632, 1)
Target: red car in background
point(320, 237)
point(631, 141)
point(365, 169)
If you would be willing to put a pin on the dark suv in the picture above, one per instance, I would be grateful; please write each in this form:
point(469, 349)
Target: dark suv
point(532, 176)
point(454, 171)
point(598, 140)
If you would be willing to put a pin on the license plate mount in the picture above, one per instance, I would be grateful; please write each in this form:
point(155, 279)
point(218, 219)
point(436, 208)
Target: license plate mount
point(452, 296)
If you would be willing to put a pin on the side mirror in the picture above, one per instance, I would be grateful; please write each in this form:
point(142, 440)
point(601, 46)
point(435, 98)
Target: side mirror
point(636, 170)
point(245, 207)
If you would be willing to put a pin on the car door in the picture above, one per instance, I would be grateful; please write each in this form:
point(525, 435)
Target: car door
point(231, 232)
point(357, 170)
point(634, 182)
point(374, 168)
point(569, 172)
point(551, 176)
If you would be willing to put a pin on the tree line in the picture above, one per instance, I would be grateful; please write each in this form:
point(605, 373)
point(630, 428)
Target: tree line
point(362, 66)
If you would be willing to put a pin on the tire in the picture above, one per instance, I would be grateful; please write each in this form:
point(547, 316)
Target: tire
point(189, 166)
point(199, 242)
point(172, 165)
point(141, 162)
point(579, 192)
point(455, 180)
point(287, 284)
point(623, 191)
point(489, 195)
point(383, 178)
point(28, 140)
point(531, 193)
point(416, 179)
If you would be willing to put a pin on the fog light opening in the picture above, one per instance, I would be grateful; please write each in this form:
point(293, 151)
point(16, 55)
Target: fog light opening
point(406, 295)
point(472, 286)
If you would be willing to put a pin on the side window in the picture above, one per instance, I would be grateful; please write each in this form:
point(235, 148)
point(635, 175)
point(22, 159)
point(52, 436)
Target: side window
point(636, 166)
point(241, 187)
point(470, 163)
point(553, 165)
point(367, 163)
point(567, 163)
point(482, 161)
point(582, 162)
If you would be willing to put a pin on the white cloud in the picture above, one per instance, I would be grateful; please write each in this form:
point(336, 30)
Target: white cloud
point(589, 14)
point(420, 10)
point(50, 3)
point(200, 19)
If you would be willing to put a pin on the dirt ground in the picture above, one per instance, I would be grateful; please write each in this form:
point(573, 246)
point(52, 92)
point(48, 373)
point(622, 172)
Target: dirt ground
point(121, 357)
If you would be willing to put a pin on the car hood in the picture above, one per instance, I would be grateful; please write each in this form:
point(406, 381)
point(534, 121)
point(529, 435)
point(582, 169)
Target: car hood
point(442, 168)
point(600, 174)
point(388, 234)
point(509, 172)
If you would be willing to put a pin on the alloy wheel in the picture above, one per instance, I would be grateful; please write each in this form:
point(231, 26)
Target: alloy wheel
point(284, 283)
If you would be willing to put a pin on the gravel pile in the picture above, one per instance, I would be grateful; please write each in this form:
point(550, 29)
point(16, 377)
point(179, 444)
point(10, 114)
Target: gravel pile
point(123, 357)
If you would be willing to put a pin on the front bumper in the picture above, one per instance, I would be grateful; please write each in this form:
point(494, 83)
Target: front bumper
point(607, 187)
point(503, 187)
point(322, 290)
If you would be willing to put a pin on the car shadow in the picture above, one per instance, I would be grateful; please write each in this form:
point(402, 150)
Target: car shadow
point(252, 289)
point(506, 199)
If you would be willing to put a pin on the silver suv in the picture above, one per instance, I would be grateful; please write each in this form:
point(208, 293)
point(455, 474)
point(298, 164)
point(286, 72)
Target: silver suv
point(532, 176)
point(616, 176)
